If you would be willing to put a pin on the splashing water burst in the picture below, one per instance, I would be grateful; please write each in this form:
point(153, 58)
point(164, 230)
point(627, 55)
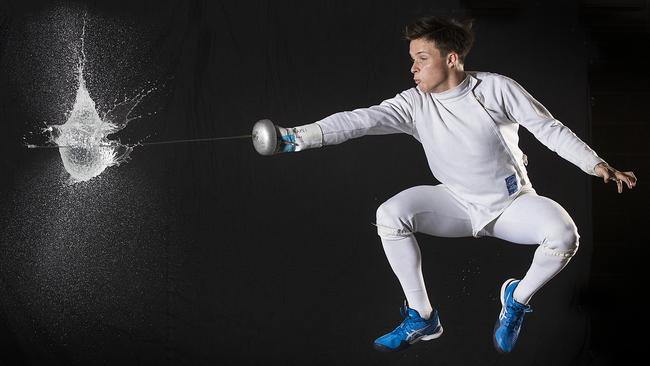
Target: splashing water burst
point(86, 150)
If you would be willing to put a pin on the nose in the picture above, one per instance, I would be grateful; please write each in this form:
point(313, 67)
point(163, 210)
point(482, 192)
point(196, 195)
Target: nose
point(414, 68)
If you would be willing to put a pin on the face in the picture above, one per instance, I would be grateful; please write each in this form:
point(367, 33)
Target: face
point(430, 70)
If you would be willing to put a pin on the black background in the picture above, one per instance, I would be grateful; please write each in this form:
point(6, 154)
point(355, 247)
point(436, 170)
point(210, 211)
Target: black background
point(208, 253)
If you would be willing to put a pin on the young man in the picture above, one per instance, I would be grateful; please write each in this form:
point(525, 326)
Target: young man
point(468, 125)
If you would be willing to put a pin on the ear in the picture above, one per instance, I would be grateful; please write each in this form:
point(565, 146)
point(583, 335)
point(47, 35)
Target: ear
point(452, 59)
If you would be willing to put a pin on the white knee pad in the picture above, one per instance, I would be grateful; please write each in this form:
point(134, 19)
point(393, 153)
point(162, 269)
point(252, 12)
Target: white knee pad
point(390, 233)
point(389, 226)
point(554, 252)
point(568, 247)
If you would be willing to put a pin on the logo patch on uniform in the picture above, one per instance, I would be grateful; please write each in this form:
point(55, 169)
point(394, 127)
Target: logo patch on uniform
point(511, 184)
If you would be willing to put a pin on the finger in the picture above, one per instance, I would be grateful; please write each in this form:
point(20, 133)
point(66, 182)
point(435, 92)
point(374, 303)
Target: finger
point(631, 177)
point(619, 185)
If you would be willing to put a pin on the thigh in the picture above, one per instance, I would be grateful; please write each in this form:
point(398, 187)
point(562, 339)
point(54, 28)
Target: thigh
point(431, 210)
point(529, 220)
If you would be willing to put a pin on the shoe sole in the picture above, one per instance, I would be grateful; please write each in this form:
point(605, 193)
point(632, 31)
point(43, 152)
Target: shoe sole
point(435, 335)
point(404, 345)
point(502, 298)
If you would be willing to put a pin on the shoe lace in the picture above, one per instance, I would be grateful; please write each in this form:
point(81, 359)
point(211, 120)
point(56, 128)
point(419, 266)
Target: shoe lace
point(514, 315)
point(408, 322)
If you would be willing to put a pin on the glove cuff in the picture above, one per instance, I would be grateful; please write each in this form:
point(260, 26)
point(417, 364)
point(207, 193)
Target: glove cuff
point(308, 136)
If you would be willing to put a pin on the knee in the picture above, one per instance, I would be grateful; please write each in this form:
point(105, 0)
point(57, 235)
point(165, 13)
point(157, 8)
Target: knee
point(392, 223)
point(562, 242)
point(385, 214)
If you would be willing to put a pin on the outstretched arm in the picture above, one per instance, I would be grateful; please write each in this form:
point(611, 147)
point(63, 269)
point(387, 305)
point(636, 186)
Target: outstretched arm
point(393, 115)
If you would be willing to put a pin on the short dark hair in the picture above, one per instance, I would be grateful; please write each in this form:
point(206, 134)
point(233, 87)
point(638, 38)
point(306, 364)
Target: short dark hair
point(447, 34)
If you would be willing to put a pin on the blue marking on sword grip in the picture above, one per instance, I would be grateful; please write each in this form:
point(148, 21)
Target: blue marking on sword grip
point(511, 184)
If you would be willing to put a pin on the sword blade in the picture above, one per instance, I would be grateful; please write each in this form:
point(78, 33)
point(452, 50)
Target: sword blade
point(32, 146)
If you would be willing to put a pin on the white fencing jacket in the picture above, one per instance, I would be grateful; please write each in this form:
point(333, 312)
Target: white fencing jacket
point(470, 137)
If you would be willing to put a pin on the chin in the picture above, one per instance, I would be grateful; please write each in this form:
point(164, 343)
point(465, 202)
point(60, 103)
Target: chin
point(423, 89)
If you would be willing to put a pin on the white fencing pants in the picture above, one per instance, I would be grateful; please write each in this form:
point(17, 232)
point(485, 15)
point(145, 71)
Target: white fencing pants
point(530, 219)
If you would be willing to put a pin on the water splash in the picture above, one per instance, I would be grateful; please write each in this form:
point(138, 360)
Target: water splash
point(84, 146)
point(86, 150)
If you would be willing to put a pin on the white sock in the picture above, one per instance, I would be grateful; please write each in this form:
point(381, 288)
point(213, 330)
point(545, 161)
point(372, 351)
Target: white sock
point(544, 267)
point(405, 260)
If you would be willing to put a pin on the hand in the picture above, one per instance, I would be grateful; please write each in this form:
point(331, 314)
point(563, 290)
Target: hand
point(269, 139)
point(610, 174)
point(299, 138)
point(286, 139)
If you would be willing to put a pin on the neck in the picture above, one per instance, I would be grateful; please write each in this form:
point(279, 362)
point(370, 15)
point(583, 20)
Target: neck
point(455, 77)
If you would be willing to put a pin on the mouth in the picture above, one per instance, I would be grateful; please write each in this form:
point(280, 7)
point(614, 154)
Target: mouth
point(417, 82)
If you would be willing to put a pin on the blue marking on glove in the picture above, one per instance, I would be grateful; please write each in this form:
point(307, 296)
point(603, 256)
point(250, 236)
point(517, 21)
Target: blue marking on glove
point(289, 147)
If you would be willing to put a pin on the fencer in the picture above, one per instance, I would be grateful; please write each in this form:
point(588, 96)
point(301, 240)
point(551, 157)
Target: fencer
point(467, 122)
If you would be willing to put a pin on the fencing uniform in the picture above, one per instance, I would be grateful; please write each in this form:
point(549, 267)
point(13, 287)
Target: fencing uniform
point(470, 137)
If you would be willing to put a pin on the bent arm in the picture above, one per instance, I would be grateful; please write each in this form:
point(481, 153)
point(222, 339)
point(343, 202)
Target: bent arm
point(528, 112)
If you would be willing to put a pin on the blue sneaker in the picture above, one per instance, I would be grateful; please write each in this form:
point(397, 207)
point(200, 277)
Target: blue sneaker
point(412, 329)
point(510, 318)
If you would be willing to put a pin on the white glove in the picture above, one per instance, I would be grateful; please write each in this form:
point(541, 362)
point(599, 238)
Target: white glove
point(299, 138)
point(269, 139)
